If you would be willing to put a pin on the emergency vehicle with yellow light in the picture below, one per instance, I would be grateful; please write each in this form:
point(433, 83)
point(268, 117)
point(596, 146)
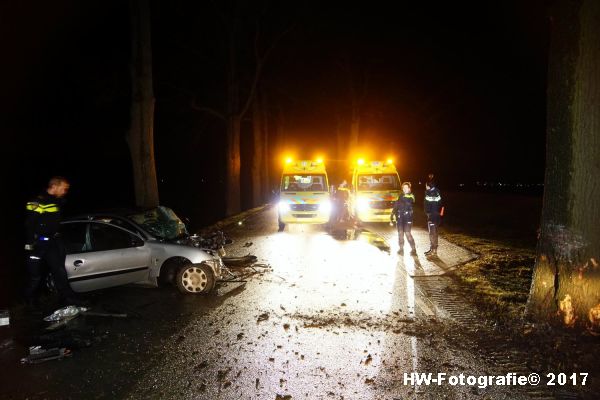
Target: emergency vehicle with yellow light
point(375, 187)
point(304, 194)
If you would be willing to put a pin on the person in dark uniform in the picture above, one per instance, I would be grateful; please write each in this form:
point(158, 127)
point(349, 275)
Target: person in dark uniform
point(432, 207)
point(43, 244)
point(342, 196)
point(403, 214)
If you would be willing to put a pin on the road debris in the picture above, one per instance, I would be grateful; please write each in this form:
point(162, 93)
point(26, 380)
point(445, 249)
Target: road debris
point(102, 314)
point(37, 354)
point(263, 317)
point(4, 318)
point(67, 312)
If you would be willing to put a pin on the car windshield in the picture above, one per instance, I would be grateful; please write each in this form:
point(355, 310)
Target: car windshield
point(378, 182)
point(161, 222)
point(303, 183)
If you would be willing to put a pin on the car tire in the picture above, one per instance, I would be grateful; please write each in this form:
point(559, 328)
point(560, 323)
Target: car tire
point(281, 225)
point(195, 279)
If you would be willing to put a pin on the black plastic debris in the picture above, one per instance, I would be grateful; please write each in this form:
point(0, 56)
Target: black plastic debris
point(38, 354)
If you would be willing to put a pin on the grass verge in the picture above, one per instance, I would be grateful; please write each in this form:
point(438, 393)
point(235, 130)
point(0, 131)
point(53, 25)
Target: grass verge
point(500, 228)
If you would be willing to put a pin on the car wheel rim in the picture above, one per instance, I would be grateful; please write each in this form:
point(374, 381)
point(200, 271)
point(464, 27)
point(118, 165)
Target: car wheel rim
point(194, 280)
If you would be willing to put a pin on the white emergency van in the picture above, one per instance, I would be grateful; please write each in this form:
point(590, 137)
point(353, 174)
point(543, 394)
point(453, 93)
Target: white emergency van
point(304, 193)
point(375, 187)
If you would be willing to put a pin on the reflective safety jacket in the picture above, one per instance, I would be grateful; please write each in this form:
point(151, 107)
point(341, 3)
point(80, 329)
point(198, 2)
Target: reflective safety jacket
point(42, 218)
point(403, 207)
point(433, 201)
point(342, 194)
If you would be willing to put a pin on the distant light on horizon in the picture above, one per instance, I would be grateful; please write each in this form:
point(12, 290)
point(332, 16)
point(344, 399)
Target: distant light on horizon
point(503, 184)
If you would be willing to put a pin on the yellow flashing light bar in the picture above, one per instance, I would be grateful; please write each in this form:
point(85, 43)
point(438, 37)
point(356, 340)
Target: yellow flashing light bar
point(304, 166)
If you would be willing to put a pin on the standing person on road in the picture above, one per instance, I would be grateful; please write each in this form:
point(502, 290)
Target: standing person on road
point(432, 207)
point(341, 198)
point(43, 244)
point(403, 214)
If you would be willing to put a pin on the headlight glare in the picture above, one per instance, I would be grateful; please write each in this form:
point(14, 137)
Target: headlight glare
point(362, 204)
point(325, 207)
point(283, 206)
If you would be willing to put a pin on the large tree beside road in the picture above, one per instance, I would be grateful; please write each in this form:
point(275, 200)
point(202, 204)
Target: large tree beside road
point(141, 133)
point(566, 279)
point(242, 84)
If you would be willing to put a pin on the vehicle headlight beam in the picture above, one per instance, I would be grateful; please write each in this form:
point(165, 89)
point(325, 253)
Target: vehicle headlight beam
point(362, 204)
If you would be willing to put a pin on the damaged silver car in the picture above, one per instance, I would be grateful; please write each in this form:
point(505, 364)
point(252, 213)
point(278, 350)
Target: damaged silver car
point(106, 250)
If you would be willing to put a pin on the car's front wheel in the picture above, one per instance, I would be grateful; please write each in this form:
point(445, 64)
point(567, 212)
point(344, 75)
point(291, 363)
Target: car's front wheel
point(195, 279)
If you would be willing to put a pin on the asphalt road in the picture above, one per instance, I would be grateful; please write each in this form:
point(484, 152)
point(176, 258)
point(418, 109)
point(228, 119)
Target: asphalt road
point(328, 315)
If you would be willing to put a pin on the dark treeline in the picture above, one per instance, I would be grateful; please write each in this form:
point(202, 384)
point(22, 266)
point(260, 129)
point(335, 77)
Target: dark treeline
point(435, 87)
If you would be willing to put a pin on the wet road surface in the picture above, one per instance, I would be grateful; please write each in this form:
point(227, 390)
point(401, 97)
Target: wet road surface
point(327, 316)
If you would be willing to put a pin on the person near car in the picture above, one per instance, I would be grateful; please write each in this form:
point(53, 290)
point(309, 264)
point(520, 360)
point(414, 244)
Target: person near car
point(432, 207)
point(43, 245)
point(402, 214)
point(341, 199)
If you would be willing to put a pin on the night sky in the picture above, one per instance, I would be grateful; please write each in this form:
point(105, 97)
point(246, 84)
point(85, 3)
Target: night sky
point(456, 88)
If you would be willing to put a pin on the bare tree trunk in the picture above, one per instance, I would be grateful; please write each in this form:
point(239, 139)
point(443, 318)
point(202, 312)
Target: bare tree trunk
point(342, 151)
point(280, 135)
point(354, 126)
point(566, 279)
point(267, 157)
point(233, 204)
point(258, 153)
point(141, 134)
point(278, 145)
point(358, 83)
point(233, 200)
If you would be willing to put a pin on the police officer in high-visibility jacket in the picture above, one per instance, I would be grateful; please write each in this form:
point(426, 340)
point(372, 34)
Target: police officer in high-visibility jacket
point(43, 244)
point(403, 214)
point(433, 209)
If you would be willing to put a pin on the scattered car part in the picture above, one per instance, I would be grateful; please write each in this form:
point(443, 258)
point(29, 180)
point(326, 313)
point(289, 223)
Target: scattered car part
point(38, 355)
point(103, 314)
point(4, 317)
point(64, 313)
point(239, 261)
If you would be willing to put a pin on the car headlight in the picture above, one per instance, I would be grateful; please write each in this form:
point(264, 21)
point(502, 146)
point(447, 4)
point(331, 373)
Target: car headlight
point(325, 207)
point(283, 206)
point(362, 204)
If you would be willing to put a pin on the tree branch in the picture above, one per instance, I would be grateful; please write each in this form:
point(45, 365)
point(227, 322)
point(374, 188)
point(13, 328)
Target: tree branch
point(207, 110)
point(177, 88)
point(258, 69)
point(193, 103)
point(260, 62)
